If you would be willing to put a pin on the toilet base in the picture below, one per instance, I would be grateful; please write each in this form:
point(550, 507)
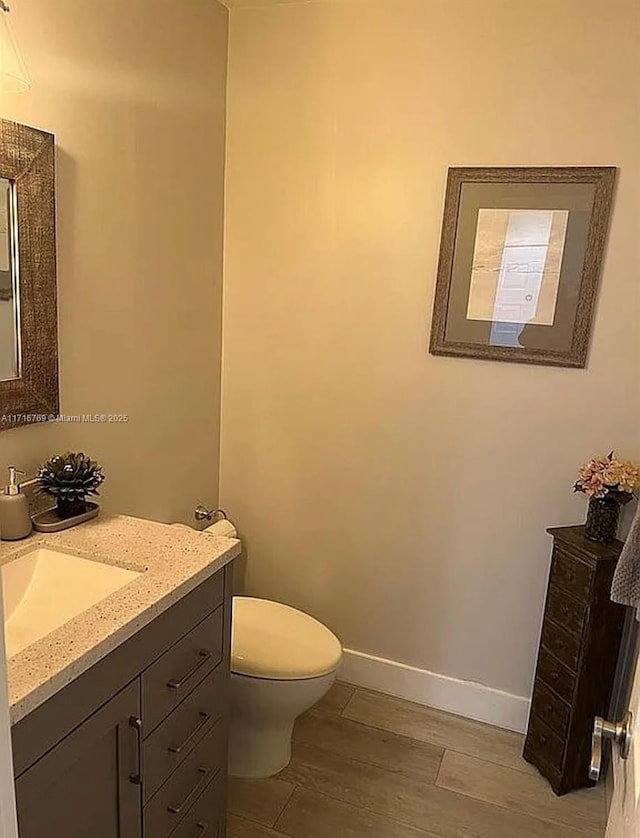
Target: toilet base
point(258, 753)
point(263, 713)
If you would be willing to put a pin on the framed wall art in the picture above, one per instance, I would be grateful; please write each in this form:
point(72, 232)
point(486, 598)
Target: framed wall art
point(520, 260)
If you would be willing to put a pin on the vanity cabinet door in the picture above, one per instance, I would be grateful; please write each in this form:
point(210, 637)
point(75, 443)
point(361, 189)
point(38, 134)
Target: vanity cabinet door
point(86, 785)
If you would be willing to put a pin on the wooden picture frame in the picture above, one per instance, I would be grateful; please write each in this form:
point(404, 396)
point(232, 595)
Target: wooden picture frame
point(27, 159)
point(521, 253)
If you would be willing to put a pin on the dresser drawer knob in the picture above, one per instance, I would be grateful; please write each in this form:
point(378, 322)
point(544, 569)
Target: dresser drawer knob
point(543, 739)
point(555, 675)
point(571, 576)
point(559, 644)
point(549, 708)
point(565, 611)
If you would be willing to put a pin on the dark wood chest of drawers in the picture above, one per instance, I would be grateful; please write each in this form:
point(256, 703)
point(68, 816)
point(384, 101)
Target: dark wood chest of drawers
point(577, 660)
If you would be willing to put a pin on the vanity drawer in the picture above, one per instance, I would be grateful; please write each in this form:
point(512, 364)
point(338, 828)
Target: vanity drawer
point(206, 818)
point(556, 676)
point(570, 574)
point(561, 643)
point(551, 709)
point(173, 801)
point(174, 738)
point(544, 743)
point(565, 610)
point(172, 677)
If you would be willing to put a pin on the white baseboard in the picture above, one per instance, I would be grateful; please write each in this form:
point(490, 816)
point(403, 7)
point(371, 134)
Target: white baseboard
point(464, 698)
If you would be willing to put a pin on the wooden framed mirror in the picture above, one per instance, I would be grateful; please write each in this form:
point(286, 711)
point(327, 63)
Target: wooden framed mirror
point(29, 391)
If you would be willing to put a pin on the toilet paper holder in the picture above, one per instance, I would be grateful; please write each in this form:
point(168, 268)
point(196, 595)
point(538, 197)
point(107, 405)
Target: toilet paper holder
point(201, 513)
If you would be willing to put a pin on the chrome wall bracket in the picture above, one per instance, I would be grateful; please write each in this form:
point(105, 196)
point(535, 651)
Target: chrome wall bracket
point(201, 513)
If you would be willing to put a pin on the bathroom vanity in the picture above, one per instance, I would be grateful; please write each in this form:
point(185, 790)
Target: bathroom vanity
point(120, 716)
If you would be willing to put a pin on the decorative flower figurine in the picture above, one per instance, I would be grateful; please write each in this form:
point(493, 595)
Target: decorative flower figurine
point(609, 483)
point(605, 477)
point(70, 478)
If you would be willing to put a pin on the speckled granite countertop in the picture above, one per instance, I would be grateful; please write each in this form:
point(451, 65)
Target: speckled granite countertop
point(175, 560)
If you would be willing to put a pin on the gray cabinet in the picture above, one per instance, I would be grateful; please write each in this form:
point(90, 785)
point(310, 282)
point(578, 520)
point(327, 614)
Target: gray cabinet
point(86, 785)
point(136, 747)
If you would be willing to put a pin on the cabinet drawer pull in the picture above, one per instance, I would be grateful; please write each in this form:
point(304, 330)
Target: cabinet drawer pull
point(176, 749)
point(178, 683)
point(205, 773)
point(136, 724)
point(202, 828)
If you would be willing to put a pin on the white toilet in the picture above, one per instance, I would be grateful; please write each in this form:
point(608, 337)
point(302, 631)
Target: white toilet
point(282, 662)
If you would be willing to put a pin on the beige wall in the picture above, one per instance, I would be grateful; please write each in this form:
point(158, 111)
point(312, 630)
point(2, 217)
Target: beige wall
point(404, 498)
point(135, 92)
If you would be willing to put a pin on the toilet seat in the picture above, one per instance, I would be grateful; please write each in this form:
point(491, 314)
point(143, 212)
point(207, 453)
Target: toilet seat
point(274, 641)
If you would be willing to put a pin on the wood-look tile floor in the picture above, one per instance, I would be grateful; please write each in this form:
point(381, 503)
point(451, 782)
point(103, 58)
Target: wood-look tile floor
point(365, 764)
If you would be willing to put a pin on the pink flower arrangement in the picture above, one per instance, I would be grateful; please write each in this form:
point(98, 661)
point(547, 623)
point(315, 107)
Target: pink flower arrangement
point(604, 477)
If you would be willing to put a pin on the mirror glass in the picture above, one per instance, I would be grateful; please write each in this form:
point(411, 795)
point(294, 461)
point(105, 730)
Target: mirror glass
point(9, 330)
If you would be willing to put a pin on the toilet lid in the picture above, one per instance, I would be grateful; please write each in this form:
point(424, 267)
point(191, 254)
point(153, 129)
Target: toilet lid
point(271, 640)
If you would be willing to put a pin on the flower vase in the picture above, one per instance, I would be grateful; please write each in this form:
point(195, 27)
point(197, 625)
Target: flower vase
point(71, 508)
point(602, 520)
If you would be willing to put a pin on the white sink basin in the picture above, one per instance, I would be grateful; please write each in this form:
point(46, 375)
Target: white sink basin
point(44, 589)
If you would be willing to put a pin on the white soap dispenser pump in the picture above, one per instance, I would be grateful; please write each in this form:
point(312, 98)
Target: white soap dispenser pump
point(15, 520)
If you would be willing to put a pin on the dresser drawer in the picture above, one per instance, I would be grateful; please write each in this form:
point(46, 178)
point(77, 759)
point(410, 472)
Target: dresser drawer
point(556, 676)
point(172, 677)
point(551, 709)
point(561, 643)
point(206, 818)
point(566, 610)
point(174, 738)
point(543, 744)
point(173, 801)
point(570, 574)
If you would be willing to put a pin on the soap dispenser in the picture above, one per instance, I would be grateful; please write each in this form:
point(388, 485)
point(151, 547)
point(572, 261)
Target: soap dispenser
point(15, 520)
